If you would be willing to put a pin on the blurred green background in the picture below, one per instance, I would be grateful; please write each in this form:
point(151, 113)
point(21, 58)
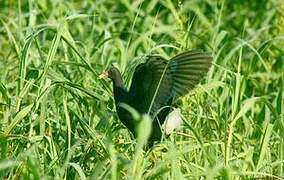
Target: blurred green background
point(58, 121)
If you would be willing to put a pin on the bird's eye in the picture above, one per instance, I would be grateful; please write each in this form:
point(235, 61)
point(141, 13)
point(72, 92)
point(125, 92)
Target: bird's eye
point(112, 71)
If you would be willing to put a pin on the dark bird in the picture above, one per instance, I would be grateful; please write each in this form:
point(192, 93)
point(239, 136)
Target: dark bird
point(156, 84)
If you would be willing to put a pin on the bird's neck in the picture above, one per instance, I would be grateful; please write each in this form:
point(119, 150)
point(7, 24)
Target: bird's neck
point(120, 92)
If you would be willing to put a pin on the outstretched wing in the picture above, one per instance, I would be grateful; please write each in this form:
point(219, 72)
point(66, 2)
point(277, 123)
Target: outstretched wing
point(187, 70)
point(157, 81)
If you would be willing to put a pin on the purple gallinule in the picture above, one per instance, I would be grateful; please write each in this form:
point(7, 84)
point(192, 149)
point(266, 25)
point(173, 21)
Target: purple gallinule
point(156, 84)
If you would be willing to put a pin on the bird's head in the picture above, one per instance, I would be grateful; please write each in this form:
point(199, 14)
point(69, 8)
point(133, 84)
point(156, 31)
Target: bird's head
point(112, 73)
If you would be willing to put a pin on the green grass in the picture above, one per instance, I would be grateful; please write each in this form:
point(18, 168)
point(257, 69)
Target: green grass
point(57, 120)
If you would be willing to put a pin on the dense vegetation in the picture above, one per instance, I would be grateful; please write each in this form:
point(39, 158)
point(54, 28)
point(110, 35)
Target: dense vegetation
point(57, 120)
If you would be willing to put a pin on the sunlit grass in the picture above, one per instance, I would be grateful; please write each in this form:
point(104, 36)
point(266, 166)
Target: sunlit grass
point(57, 120)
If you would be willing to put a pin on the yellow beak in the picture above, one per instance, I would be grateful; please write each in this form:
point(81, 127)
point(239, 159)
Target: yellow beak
point(104, 75)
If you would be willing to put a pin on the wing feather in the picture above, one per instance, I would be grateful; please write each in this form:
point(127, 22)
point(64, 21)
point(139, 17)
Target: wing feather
point(157, 80)
point(187, 70)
